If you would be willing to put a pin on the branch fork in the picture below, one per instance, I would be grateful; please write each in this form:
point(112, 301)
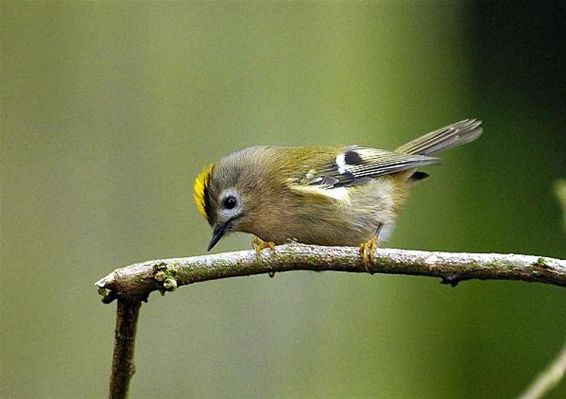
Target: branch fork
point(132, 284)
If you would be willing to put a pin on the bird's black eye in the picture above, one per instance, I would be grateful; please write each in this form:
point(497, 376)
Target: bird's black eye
point(230, 202)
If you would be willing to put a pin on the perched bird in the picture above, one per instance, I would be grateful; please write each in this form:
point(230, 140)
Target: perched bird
point(323, 195)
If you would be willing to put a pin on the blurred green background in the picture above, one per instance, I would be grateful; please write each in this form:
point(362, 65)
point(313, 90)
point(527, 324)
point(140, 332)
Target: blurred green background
point(110, 109)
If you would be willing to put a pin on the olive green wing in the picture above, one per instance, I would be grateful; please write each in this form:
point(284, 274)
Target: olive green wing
point(358, 165)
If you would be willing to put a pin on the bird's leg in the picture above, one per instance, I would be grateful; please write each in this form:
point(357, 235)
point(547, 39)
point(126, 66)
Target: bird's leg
point(367, 249)
point(259, 245)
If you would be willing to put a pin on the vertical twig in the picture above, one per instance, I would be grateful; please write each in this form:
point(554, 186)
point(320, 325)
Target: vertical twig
point(123, 368)
point(548, 379)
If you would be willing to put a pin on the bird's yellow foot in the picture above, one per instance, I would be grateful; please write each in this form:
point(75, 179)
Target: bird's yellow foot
point(259, 245)
point(366, 253)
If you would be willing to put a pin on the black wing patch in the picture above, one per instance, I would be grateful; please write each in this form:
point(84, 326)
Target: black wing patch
point(359, 165)
point(351, 157)
point(419, 176)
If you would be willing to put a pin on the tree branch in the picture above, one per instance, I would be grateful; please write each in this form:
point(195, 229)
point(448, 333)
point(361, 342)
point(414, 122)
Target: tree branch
point(548, 379)
point(124, 345)
point(137, 281)
point(133, 284)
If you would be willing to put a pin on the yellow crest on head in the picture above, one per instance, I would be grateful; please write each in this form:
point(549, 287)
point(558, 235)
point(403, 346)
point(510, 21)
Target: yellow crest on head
point(200, 187)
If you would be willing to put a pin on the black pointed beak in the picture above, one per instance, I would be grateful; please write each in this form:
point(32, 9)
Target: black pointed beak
point(217, 234)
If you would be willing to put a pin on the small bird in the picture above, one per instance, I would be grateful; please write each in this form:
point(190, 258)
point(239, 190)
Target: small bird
point(342, 195)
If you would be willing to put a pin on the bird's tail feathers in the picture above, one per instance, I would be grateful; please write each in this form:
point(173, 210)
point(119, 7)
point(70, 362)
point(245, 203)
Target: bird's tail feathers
point(448, 137)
